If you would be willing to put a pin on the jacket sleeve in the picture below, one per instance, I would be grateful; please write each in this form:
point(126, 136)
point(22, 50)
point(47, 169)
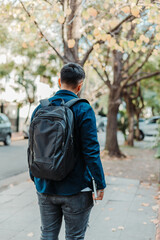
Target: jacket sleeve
point(90, 145)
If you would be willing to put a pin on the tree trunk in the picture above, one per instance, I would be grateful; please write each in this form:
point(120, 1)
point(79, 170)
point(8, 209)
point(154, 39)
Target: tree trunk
point(113, 107)
point(130, 113)
point(111, 133)
point(70, 31)
point(137, 132)
point(130, 139)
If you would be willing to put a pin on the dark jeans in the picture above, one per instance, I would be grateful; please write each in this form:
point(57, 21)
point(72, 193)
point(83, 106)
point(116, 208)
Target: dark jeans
point(75, 209)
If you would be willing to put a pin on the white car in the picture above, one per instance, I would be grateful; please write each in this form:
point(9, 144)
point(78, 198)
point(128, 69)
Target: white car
point(150, 126)
point(101, 123)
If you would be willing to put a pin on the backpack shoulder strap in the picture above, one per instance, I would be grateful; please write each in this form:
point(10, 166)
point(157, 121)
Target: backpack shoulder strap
point(44, 102)
point(74, 101)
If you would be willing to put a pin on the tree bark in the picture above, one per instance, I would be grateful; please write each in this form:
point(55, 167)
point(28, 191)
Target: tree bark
point(113, 107)
point(130, 113)
point(111, 133)
point(137, 131)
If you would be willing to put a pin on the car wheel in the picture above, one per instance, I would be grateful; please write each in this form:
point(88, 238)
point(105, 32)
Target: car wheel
point(7, 141)
point(141, 136)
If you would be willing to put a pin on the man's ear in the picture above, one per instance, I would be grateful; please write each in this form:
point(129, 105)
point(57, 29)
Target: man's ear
point(59, 83)
point(80, 86)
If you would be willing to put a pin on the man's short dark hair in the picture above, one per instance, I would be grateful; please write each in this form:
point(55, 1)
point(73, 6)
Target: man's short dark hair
point(71, 74)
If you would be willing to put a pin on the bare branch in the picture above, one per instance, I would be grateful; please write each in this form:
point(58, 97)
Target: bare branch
point(48, 2)
point(119, 24)
point(41, 33)
point(82, 62)
point(101, 77)
point(143, 77)
point(132, 64)
point(138, 68)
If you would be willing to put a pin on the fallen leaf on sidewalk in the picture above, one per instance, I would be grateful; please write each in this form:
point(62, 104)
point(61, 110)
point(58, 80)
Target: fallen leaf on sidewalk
point(140, 209)
point(144, 223)
point(30, 234)
point(107, 218)
point(157, 197)
point(113, 229)
point(155, 221)
point(110, 209)
point(115, 188)
point(145, 204)
point(155, 208)
point(139, 196)
point(152, 175)
point(121, 228)
point(113, 179)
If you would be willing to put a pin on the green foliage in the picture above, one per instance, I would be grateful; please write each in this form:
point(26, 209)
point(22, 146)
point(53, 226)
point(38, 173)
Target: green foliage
point(6, 68)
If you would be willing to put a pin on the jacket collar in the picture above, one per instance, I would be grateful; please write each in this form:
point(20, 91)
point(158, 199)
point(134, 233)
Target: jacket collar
point(66, 92)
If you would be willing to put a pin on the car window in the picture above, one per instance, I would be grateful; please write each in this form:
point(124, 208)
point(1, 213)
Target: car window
point(4, 119)
point(1, 120)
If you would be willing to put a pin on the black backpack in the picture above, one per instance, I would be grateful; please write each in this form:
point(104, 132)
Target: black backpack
point(51, 151)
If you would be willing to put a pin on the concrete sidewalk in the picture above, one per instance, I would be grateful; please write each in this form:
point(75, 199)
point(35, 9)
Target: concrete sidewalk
point(128, 212)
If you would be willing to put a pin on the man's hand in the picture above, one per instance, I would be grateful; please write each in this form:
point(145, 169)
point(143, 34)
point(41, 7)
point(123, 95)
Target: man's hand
point(100, 194)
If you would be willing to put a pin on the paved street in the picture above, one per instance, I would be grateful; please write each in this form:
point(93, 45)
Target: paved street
point(13, 159)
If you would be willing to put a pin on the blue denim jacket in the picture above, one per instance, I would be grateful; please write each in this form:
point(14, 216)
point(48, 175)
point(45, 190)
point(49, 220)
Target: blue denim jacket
point(88, 161)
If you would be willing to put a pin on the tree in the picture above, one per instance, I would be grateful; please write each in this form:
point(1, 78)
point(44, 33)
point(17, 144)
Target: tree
point(121, 61)
point(122, 37)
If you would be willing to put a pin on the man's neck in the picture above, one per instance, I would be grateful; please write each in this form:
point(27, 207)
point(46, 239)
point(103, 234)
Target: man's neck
point(69, 89)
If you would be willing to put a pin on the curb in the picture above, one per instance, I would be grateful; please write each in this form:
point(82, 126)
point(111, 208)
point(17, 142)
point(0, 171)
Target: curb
point(16, 136)
point(14, 180)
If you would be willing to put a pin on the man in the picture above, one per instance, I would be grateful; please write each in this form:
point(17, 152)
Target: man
point(72, 197)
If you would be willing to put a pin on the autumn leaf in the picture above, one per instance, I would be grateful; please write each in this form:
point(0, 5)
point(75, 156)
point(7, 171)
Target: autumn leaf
point(68, 11)
point(112, 11)
point(135, 11)
point(92, 12)
point(113, 229)
point(61, 19)
point(24, 45)
point(30, 234)
point(155, 208)
point(140, 209)
point(155, 221)
point(157, 36)
point(85, 15)
point(145, 204)
point(131, 44)
point(55, 7)
point(96, 46)
point(71, 43)
point(31, 44)
point(121, 228)
point(126, 9)
point(96, 32)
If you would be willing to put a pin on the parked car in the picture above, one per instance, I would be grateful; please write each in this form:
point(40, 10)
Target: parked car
point(150, 126)
point(101, 123)
point(26, 131)
point(5, 129)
